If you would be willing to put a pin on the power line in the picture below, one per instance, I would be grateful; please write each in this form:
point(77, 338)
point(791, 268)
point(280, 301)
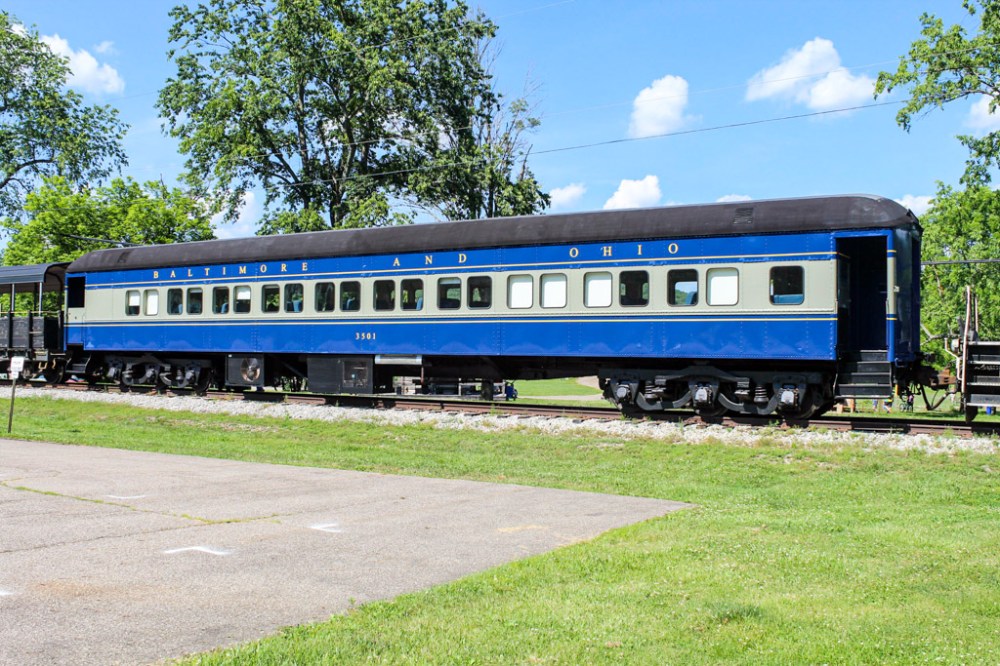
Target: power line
point(582, 146)
point(596, 144)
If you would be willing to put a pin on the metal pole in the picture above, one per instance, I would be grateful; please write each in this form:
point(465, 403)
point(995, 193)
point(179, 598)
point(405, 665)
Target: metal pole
point(10, 416)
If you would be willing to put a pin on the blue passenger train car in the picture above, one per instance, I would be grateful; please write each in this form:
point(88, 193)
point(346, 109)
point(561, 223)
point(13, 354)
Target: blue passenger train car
point(750, 307)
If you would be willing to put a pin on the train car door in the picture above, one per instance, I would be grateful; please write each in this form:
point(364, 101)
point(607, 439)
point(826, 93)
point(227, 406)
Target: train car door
point(862, 286)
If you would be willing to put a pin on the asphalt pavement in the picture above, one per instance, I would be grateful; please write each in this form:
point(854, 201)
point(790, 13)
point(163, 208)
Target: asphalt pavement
point(122, 557)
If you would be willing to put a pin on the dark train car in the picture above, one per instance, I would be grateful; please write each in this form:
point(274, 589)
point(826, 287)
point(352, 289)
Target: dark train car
point(751, 307)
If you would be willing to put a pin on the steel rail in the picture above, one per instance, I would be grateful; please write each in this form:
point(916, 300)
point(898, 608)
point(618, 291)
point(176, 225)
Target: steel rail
point(840, 423)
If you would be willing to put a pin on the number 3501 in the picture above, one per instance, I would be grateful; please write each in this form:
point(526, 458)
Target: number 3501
point(364, 336)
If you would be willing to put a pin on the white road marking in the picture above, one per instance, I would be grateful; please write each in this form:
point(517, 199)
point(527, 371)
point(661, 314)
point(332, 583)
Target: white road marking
point(5, 593)
point(333, 528)
point(200, 549)
point(125, 497)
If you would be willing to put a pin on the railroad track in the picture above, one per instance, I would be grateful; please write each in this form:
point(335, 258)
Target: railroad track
point(842, 423)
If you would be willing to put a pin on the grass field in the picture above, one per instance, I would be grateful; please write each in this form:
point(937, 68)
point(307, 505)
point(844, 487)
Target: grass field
point(550, 387)
point(797, 553)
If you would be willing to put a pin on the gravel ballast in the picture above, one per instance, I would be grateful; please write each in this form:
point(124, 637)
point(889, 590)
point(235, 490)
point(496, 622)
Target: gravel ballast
point(672, 432)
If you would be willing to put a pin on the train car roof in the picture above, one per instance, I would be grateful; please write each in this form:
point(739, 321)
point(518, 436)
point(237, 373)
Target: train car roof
point(721, 219)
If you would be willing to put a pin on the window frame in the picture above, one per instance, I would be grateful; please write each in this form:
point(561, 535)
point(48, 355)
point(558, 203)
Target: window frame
point(672, 287)
point(591, 275)
point(216, 306)
point(444, 285)
point(350, 287)
point(155, 293)
point(189, 300)
point(719, 270)
point(547, 278)
point(622, 283)
point(178, 293)
point(411, 287)
point(472, 284)
point(377, 288)
point(802, 285)
point(289, 300)
point(266, 291)
point(138, 304)
point(237, 291)
point(520, 279)
point(319, 288)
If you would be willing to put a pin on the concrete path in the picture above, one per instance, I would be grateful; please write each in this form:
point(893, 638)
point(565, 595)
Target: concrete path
point(119, 557)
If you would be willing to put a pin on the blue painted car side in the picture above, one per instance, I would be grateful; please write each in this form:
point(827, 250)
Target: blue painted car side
point(653, 332)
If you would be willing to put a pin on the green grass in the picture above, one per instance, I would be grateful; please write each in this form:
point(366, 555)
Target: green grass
point(834, 554)
point(557, 387)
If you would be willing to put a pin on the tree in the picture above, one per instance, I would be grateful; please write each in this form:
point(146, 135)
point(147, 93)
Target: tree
point(944, 66)
point(961, 227)
point(332, 106)
point(64, 223)
point(45, 129)
point(483, 171)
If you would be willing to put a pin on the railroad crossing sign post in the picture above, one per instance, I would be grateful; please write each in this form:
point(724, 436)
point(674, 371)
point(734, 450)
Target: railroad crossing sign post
point(16, 367)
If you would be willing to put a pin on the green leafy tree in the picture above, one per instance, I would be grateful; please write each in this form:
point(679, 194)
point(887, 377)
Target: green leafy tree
point(946, 65)
point(332, 106)
point(961, 227)
point(482, 170)
point(45, 129)
point(64, 222)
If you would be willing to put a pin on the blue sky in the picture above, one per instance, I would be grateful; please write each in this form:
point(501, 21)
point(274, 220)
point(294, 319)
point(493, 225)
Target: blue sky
point(722, 79)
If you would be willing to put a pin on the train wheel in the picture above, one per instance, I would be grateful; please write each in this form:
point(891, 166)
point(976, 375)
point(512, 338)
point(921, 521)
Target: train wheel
point(53, 374)
point(971, 413)
point(204, 381)
point(715, 411)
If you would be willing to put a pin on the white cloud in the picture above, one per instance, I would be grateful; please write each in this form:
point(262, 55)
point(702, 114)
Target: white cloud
point(567, 196)
point(659, 108)
point(245, 226)
point(980, 117)
point(919, 204)
point(730, 198)
point(811, 75)
point(106, 48)
point(635, 194)
point(86, 73)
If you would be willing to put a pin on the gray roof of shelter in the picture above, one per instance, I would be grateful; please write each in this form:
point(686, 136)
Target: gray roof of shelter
point(719, 219)
point(27, 278)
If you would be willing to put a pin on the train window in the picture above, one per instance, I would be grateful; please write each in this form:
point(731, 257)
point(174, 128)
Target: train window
point(411, 294)
point(633, 288)
point(787, 285)
point(553, 290)
point(175, 301)
point(293, 297)
point(385, 294)
point(520, 292)
point(133, 301)
point(326, 297)
point(194, 301)
point(597, 290)
point(152, 301)
point(270, 298)
point(449, 293)
point(350, 296)
point(723, 285)
point(241, 299)
point(682, 287)
point(220, 300)
point(480, 292)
